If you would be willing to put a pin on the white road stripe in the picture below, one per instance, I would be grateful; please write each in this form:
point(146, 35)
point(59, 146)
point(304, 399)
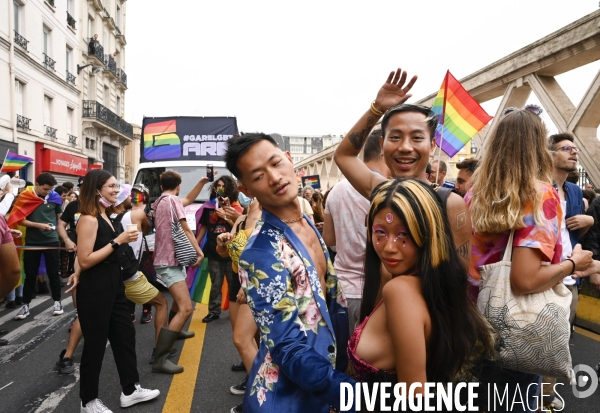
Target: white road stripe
point(34, 303)
point(43, 318)
point(7, 385)
point(52, 400)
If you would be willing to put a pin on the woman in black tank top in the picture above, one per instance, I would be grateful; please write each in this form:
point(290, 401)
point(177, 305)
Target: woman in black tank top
point(102, 306)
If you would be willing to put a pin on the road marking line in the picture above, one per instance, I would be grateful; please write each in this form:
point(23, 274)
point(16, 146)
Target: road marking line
point(34, 303)
point(42, 318)
point(51, 401)
point(587, 333)
point(7, 385)
point(181, 392)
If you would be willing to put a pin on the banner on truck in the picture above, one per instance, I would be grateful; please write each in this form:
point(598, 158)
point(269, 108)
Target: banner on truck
point(186, 138)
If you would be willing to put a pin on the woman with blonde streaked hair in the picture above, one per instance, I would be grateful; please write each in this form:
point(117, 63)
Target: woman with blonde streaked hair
point(512, 190)
point(420, 326)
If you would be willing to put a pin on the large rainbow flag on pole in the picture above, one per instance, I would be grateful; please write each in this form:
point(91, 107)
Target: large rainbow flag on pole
point(460, 116)
point(13, 162)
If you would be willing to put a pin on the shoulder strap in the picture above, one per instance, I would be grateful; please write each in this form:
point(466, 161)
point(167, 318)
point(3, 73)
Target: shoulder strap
point(119, 217)
point(444, 193)
point(509, 247)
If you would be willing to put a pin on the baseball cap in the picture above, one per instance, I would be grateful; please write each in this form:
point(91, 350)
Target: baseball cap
point(80, 181)
point(123, 194)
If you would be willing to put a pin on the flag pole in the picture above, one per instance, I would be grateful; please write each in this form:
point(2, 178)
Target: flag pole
point(437, 172)
point(4, 162)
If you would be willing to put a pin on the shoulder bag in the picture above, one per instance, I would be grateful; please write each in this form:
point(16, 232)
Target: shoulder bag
point(533, 329)
point(184, 251)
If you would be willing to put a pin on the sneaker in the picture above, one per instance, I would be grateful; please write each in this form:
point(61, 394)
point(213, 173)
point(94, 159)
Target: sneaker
point(133, 318)
point(58, 310)
point(238, 366)
point(10, 304)
point(95, 406)
point(239, 388)
point(23, 313)
point(64, 365)
point(19, 300)
point(237, 409)
point(138, 396)
point(146, 317)
point(210, 317)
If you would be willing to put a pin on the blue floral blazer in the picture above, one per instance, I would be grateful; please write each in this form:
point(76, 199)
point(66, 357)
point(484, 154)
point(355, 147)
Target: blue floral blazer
point(303, 330)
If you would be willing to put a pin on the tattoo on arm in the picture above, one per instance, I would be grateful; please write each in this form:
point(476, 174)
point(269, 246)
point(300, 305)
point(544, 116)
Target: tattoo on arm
point(357, 139)
point(461, 220)
point(463, 250)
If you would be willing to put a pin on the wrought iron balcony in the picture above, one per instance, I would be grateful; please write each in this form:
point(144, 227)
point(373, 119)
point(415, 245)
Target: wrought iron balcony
point(72, 139)
point(96, 49)
point(71, 78)
point(48, 62)
point(51, 2)
point(23, 122)
point(20, 40)
point(70, 21)
point(118, 31)
point(122, 76)
point(95, 110)
point(110, 64)
point(50, 132)
point(106, 14)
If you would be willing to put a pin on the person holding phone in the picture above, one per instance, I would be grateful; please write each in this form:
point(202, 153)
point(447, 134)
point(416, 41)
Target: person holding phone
point(214, 222)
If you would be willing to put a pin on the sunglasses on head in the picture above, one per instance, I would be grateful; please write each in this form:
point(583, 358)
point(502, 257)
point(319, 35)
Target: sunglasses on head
point(535, 109)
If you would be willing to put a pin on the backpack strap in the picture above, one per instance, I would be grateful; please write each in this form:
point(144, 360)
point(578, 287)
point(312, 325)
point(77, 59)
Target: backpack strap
point(444, 193)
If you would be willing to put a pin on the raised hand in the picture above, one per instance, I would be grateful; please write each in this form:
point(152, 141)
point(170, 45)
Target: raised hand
point(394, 91)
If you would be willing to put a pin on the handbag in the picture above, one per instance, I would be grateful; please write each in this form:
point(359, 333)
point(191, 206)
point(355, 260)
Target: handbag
point(533, 329)
point(147, 262)
point(185, 253)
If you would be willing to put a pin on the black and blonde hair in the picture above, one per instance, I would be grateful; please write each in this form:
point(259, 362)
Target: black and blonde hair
point(460, 334)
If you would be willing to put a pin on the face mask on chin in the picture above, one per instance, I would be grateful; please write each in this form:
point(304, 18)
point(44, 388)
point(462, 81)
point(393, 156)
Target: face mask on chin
point(244, 200)
point(105, 202)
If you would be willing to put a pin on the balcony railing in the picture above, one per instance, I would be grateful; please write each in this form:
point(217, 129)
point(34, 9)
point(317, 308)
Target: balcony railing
point(71, 78)
point(70, 21)
point(50, 132)
point(118, 31)
point(122, 76)
point(95, 110)
point(23, 122)
point(48, 62)
point(51, 2)
point(110, 64)
point(20, 40)
point(106, 14)
point(96, 49)
point(72, 139)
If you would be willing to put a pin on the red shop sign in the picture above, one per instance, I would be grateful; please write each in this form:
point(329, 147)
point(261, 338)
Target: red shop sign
point(64, 163)
point(95, 166)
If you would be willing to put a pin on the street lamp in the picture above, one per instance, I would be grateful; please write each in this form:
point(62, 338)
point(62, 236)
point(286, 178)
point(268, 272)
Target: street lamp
point(95, 69)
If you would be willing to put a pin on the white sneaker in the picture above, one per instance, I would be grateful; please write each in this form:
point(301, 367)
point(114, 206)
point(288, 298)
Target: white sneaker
point(23, 313)
point(58, 310)
point(95, 406)
point(138, 396)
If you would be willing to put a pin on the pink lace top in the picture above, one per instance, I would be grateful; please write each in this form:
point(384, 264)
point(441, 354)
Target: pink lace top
point(361, 367)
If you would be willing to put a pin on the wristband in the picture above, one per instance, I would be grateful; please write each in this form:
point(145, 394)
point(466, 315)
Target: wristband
point(376, 111)
point(572, 262)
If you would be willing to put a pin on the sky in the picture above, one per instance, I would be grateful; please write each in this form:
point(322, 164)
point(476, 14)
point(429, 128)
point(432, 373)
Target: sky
point(313, 67)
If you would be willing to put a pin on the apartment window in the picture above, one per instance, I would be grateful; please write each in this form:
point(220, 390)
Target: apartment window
point(47, 111)
point(68, 59)
point(19, 97)
point(46, 41)
point(106, 96)
point(17, 10)
point(70, 7)
point(118, 108)
point(296, 149)
point(105, 41)
point(90, 28)
point(118, 16)
point(70, 121)
point(297, 140)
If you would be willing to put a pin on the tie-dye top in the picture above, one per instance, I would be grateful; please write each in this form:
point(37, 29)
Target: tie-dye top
point(489, 248)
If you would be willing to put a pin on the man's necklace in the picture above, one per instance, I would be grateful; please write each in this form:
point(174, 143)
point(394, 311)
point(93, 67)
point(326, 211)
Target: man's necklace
point(291, 221)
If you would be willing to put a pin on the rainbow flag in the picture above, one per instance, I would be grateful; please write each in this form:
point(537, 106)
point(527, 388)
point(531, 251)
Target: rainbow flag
point(460, 116)
point(161, 140)
point(13, 162)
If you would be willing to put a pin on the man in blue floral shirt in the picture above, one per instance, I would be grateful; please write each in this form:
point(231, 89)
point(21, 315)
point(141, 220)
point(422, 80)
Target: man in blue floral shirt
point(291, 288)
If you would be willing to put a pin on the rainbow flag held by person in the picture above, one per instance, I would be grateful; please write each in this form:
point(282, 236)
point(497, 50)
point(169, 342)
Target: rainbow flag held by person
point(13, 162)
point(460, 116)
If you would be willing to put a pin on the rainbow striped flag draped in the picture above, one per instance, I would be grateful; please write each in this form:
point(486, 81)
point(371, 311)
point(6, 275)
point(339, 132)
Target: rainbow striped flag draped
point(460, 116)
point(13, 162)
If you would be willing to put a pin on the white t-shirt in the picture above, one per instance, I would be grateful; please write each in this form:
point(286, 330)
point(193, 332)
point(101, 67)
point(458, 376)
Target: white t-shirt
point(565, 239)
point(348, 209)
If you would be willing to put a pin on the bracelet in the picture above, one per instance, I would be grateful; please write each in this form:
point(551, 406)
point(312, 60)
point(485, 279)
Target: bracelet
point(376, 111)
point(572, 262)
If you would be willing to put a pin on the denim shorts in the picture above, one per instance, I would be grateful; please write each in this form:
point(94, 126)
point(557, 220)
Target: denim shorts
point(170, 275)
